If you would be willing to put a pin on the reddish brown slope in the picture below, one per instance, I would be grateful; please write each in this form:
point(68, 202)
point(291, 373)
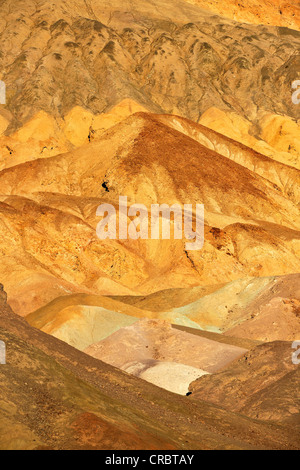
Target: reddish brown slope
point(173, 166)
point(74, 398)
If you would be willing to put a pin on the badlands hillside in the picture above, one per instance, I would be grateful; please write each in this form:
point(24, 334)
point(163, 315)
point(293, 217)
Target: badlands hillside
point(168, 56)
point(272, 12)
point(164, 102)
point(77, 402)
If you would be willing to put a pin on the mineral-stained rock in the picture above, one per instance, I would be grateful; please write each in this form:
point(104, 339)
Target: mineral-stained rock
point(163, 102)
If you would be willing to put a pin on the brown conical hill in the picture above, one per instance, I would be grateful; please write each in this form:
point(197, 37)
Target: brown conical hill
point(252, 226)
point(173, 168)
